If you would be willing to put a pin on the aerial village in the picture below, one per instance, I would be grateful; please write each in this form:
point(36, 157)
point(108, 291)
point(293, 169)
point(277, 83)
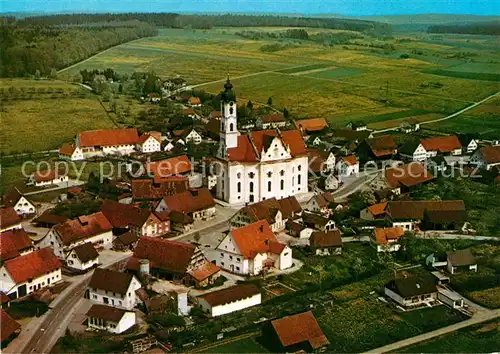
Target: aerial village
point(182, 251)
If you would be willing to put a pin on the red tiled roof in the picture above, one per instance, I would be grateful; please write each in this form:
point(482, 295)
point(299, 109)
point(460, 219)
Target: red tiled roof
point(323, 200)
point(159, 187)
point(203, 272)
point(377, 209)
point(300, 328)
point(13, 242)
point(48, 218)
point(194, 100)
point(244, 152)
point(86, 252)
point(144, 137)
point(326, 239)
point(108, 137)
point(168, 167)
point(48, 175)
point(442, 144)
point(292, 138)
point(316, 160)
point(32, 265)
point(8, 217)
point(383, 235)
point(164, 254)
point(311, 125)
point(231, 294)
point(8, 326)
point(110, 280)
point(271, 118)
point(107, 313)
point(256, 238)
point(188, 111)
point(491, 154)
point(125, 215)
point(350, 160)
point(266, 209)
point(190, 201)
point(382, 145)
point(83, 227)
point(67, 149)
point(415, 209)
point(408, 175)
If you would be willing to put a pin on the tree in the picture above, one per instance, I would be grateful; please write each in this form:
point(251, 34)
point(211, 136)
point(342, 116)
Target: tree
point(286, 114)
point(250, 105)
point(270, 101)
point(53, 74)
point(37, 75)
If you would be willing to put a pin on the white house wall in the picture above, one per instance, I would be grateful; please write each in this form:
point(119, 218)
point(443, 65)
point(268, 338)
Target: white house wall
point(232, 306)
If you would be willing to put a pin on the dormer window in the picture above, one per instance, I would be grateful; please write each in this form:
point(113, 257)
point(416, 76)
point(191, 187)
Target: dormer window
point(269, 174)
point(251, 175)
point(238, 175)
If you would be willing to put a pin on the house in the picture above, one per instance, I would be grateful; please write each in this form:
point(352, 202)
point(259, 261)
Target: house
point(109, 319)
point(107, 142)
point(62, 238)
point(413, 150)
point(403, 177)
point(174, 166)
point(299, 230)
point(386, 239)
point(318, 222)
point(320, 203)
point(149, 142)
point(347, 166)
point(83, 257)
point(14, 243)
point(189, 112)
point(125, 242)
point(48, 178)
point(197, 203)
point(252, 249)
point(437, 163)
point(331, 182)
point(21, 204)
point(157, 188)
point(357, 125)
point(487, 157)
point(174, 261)
point(9, 328)
point(180, 221)
point(321, 161)
point(9, 219)
point(409, 126)
point(271, 121)
point(153, 97)
point(140, 222)
point(469, 144)
point(461, 260)
point(412, 291)
point(297, 333)
point(275, 211)
point(113, 288)
point(409, 214)
point(378, 148)
point(445, 145)
point(232, 299)
point(194, 102)
point(348, 137)
point(450, 298)
point(374, 212)
point(215, 115)
point(308, 126)
point(25, 274)
point(70, 152)
point(49, 220)
point(326, 243)
point(188, 135)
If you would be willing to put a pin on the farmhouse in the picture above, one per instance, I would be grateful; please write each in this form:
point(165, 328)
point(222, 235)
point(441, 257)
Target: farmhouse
point(271, 121)
point(300, 332)
point(116, 289)
point(487, 157)
point(320, 203)
point(232, 299)
point(409, 214)
point(321, 161)
point(197, 203)
point(25, 274)
point(107, 142)
point(194, 102)
point(9, 219)
point(149, 142)
point(110, 319)
point(251, 249)
point(374, 212)
point(83, 257)
point(326, 243)
point(178, 166)
point(331, 182)
point(47, 178)
point(48, 220)
point(188, 135)
point(318, 222)
point(378, 148)
point(14, 243)
point(401, 178)
point(308, 126)
point(125, 241)
point(386, 239)
point(357, 125)
point(347, 166)
point(446, 145)
point(412, 291)
point(172, 260)
point(462, 260)
point(410, 125)
point(413, 150)
point(275, 212)
point(469, 144)
point(156, 189)
point(70, 152)
point(21, 204)
point(9, 328)
point(94, 228)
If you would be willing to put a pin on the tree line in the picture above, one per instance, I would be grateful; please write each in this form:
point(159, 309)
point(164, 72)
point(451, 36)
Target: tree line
point(485, 28)
point(39, 48)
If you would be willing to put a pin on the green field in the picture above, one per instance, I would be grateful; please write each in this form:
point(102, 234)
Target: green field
point(303, 68)
point(483, 338)
point(336, 73)
point(487, 127)
point(248, 345)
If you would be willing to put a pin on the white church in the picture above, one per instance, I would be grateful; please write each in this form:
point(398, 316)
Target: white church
point(260, 165)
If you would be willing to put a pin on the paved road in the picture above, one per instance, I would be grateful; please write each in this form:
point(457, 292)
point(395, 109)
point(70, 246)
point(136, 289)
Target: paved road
point(477, 318)
point(355, 186)
point(468, 108)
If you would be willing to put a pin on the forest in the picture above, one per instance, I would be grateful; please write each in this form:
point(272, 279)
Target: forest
point(485, 28)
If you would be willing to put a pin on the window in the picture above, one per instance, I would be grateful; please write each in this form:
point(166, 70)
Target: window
point(238, 259)
point(251, 186)
point(299, 179)
point(231, 126)
point(251, 175)
point(269, 186)
point(299, 167)
point(231, 257)
point(238, 175)
point(237, 268)
point(282, 185)
point(269, 174)
point(239, 187)
point(282, 172)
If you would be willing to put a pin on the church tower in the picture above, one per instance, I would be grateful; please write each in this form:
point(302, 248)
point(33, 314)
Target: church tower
point(228, 122)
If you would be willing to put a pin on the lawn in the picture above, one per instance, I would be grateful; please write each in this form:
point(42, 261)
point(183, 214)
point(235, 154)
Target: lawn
point(483, 338)
point(37, 121)
point(248, 345)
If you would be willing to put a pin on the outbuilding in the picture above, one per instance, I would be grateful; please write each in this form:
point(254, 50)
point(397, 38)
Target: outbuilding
point(235, 298)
